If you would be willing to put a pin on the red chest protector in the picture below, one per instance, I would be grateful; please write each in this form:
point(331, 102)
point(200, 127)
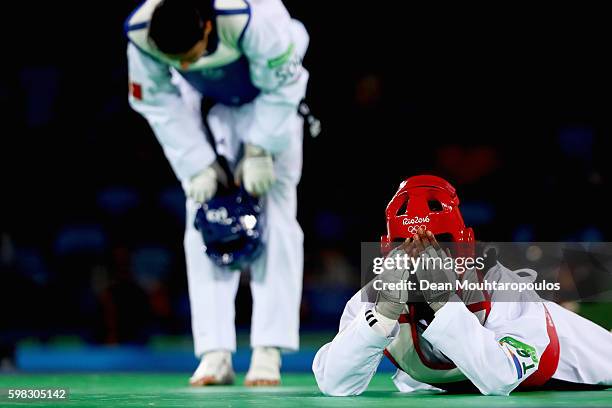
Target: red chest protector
point(549, 359)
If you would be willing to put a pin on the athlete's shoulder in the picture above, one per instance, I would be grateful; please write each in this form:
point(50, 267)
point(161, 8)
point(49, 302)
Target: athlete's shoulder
point(274, 36)
point(137, 23)
point(233, 17)
point(267, 16)
point(136, 28)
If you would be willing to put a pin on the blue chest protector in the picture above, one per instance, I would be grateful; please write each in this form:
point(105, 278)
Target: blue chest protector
point(230, 84)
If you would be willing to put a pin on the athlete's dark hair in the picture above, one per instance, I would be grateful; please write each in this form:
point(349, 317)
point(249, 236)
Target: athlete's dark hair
point(177, 25)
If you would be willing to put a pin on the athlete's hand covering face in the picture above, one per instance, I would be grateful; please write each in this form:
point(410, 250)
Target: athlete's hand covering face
point(433, 271)
point(392, 295)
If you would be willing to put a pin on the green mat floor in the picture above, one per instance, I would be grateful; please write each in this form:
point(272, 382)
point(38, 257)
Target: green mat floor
point(298, 390)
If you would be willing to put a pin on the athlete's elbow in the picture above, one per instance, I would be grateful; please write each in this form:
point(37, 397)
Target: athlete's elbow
point(137, 105)
point(340, 393)
point(494, 391)
point(336, 380)
point(338, 390)
point(497, 385)
point(333, 386)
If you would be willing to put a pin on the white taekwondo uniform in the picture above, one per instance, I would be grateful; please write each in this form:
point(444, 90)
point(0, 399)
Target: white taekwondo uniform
point(255, 76)
point(455, 347)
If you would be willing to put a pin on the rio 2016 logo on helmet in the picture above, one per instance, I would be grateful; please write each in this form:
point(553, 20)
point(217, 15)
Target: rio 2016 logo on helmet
point(427, 202)
point(416, 223)
point(415, 220)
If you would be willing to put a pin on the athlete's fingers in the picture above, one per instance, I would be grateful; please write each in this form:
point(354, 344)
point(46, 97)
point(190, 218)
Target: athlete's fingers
point(409, 249)
point(436, 245)
point(406, 244)
point(433, 240)
point(418, 244)
point(428, 242)
point(424, 237)
point(425, 240)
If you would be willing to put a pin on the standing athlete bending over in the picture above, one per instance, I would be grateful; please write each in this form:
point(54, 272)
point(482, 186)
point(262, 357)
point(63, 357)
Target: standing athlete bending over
point(244, 58)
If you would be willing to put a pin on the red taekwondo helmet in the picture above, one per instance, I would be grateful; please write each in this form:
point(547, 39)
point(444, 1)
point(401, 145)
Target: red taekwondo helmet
point(432, 203)
point(428, 202)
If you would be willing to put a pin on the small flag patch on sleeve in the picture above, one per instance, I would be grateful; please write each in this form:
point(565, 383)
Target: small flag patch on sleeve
point(135, 90)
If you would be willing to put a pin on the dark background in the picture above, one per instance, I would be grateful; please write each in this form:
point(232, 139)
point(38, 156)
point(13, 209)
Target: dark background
point(512, 106)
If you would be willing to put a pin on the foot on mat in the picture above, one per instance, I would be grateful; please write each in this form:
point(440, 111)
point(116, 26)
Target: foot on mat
point(265, 367)
point(214, 369)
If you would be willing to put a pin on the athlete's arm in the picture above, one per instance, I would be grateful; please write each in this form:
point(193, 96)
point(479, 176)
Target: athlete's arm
point(346, 365)
point(177, 128)
point(496, 358)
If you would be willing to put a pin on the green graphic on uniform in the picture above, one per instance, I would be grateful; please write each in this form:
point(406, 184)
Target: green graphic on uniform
point(522, 349)
point(281, 59)
point(527, 367)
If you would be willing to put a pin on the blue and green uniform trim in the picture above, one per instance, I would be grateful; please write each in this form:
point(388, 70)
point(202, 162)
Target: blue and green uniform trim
point(523, 350)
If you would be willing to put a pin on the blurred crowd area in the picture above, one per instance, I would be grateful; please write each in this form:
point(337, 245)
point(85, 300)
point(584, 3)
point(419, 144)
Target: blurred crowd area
point(518, 118)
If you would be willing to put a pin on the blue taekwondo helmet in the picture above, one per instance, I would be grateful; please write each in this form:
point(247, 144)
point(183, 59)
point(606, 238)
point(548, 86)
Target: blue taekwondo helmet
point(232, 228)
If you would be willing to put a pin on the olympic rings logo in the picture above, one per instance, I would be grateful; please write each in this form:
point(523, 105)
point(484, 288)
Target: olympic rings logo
point(414, 228)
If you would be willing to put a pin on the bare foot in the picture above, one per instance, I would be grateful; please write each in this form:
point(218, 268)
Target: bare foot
point(261, 383)
point(208, 380)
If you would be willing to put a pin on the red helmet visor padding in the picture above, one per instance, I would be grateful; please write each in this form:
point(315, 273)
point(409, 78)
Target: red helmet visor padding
point(429, 202)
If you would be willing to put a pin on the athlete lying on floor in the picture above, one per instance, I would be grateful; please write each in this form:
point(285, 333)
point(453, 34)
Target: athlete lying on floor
point(456, 341)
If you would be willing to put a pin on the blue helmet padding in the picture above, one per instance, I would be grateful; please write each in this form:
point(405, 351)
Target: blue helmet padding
point(231, 224)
